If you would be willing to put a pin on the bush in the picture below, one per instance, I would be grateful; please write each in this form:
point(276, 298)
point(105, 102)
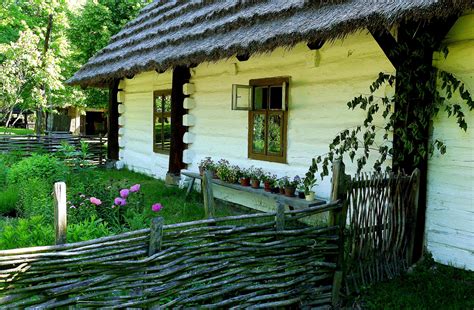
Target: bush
point(8, 201)
point(44, 167)
point(26, 232)
point(91, 228)
point(3, 172)
point(35, 199)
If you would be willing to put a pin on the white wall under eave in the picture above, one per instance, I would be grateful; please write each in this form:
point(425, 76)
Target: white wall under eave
point(450, 211)
point(318, 95)
point(136, 134)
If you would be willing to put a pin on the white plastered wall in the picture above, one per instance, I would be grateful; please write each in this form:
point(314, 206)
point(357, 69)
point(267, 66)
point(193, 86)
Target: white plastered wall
point(321, 84)
point(450, 211)
point(136, 123)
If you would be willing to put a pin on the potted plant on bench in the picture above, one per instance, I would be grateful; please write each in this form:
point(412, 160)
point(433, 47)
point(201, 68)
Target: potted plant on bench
point(255, 175)
point(207, 164)
point(244, 177)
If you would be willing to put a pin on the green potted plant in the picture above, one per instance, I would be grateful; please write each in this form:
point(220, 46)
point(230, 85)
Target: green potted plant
point(223, 170)
point(207, 164)
point(281, 183)
point(301, 190)
point(309, 182)
point(255, 175)
point(234, 174)
point(244, 177)
point(290, 185)
point(268, 181)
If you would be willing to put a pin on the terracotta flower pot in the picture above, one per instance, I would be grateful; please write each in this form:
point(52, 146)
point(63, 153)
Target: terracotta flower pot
point(255, 183)
point(245, 181)
point(290, 191)
point(267, 186)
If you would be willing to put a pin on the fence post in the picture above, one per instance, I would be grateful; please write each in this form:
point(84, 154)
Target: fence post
point(100, 149)
point(156, 235)
point(280, 217)
point(60, 212)
point(415, 192)
point(338, 217)
point(208, 194)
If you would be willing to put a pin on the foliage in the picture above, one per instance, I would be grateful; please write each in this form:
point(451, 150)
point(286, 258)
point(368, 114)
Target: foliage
point(226, 172)
point(77, 157)
point(428, 286)
point(287, 182)
point(255, 174)
point(15, 131)
point(8, 200)
point(26, 232)
point(309, 181)
point(87, 229)
point(44, 167)
point(358, 142)
point(35, 199)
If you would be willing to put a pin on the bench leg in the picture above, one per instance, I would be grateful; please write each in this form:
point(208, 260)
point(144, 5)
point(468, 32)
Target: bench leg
point(190, 187)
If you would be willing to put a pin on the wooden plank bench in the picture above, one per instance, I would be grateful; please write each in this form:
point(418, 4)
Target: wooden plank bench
point(291, 202)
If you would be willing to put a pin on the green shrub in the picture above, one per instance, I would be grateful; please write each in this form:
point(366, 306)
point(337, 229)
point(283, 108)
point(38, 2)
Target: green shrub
point(91, 228)
point(8, 201)
point(29, 232)
point(35, 199)
point(44, 167)
point(3, 172)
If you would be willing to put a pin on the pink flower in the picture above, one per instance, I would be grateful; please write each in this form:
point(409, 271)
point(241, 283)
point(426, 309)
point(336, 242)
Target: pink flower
point(124, 193)
point(135, 188)
point(156, 207)
point(120, 201)
point(95, 201)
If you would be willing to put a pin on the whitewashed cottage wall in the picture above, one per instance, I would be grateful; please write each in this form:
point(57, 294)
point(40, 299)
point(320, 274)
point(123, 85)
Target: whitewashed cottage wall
point(136, 123)
point(450, 213)
point(321, 83)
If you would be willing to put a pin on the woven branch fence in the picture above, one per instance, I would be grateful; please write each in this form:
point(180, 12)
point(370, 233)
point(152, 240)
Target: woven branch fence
point(381, 227)
point(256, 260)
point(28, 144)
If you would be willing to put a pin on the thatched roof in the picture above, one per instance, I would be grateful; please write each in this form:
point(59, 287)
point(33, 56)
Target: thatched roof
point(184, 32)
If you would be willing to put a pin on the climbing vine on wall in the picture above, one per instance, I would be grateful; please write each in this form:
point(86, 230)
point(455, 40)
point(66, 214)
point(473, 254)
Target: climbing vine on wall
point(407, 121)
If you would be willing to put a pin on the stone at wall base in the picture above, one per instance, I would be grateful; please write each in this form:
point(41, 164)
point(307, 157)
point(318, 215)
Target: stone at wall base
point(110, 164)
point(172, 179)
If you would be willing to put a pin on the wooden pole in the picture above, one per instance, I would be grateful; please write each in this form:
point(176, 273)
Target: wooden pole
point(208, 194)
point(60, 212)
point(338, 217)
point(413, 215)
point(280, 217)
point(156, 235)
point(181, 76)
point(113, 125)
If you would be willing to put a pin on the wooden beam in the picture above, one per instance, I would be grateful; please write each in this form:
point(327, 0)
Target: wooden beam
point(112, 122)
point(387, 43)
point(181, 76)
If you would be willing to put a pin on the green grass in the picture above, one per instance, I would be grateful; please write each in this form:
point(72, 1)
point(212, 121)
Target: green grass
point(16, 131)
point(429, 286)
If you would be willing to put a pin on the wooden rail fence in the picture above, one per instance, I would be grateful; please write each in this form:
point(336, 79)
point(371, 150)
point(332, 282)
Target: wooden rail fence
point(28, 144)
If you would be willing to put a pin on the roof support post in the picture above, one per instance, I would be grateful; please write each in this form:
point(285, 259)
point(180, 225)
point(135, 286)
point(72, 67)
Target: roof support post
point(181, 76)
point(112, 122)
point(387, 43)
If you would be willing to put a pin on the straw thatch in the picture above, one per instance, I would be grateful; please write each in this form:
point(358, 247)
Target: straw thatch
point(185, 32)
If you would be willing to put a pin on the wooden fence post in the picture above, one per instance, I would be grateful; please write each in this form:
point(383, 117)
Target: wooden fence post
point(412, 220)
point(338, 217)
point(156, 235)
point(208, 194)
point(60, 212)
point(280, 217)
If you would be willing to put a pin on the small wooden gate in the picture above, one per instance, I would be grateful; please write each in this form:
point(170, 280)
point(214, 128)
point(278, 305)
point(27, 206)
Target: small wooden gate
point(381, 219)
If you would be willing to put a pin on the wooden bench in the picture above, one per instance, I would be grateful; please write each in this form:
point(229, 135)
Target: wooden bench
point(291, 202)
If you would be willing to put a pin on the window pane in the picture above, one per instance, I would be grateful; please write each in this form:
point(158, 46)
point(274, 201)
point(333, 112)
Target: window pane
point(166, 132)
point(258, 136)
point(275, 123)
point(261, 98)
point(276, 98)
point(167, 103)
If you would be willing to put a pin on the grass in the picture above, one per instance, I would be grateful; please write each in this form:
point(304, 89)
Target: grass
point(16, 131)
point(428, 286)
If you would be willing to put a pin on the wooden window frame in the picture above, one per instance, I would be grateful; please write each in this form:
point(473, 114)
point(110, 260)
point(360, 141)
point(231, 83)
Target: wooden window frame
point(163, 114)
point(268, 82)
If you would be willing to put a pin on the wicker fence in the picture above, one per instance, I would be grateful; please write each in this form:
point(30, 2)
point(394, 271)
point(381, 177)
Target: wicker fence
point(381, 227)
point(28, 144)
point(256, 260)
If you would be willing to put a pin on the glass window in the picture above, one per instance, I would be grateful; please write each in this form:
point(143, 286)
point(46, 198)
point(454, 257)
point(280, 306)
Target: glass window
point(162, 122)
point(267, 121)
